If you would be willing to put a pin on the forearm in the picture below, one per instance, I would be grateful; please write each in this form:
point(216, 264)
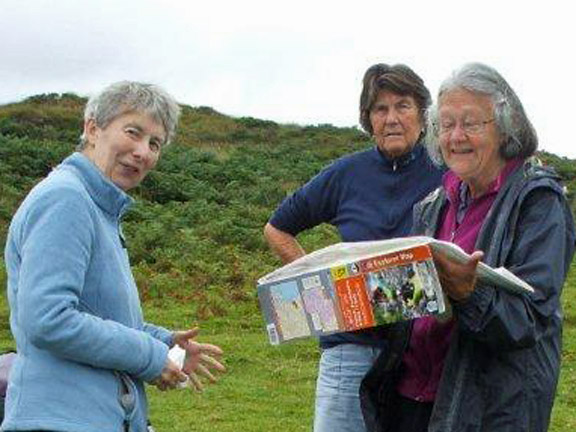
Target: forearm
point(283, 244)
point(57, 326)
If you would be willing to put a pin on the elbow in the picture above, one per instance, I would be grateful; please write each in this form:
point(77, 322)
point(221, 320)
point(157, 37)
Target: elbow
point(271, 234)
point(268, 231)
point(47, 331)
point(525, 340)
point(282, 244)
point(39, 335)
point(510, 339)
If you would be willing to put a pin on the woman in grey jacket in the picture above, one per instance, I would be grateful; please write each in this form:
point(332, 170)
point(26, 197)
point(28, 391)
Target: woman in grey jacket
point(84, 351)
point(494, 366)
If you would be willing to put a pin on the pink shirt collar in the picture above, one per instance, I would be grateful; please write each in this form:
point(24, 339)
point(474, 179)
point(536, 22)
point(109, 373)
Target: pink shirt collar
point(453, 184)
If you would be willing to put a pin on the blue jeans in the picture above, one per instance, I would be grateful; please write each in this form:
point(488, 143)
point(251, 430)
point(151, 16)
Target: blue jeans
point(337, 389)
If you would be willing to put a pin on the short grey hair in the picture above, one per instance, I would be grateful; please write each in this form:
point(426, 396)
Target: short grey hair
point(130, 96)
point(518, 137)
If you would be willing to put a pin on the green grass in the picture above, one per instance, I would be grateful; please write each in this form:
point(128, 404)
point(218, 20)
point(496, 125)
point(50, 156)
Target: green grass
point(265, 388)
point(272, 388)
point(564, 413)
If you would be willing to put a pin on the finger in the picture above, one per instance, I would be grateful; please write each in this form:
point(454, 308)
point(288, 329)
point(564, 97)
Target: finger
point(201, 352)
point(196, 382)
point(475, 258)
point(211, 349)
point(191, 333)
point(172, 377)
point(204, 371)
point(180, 377)
point(211, 361)
point(182, 337)
point(164, 382)
point(190, 365)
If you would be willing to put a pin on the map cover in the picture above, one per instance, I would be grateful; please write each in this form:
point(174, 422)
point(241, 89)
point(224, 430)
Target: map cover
point(362, 293)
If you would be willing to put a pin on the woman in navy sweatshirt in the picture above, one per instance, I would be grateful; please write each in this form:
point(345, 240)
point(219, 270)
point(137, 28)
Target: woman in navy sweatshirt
point(367, 196)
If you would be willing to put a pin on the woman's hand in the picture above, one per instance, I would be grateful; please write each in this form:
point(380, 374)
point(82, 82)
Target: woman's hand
point(200, 357)
point(458, 280)
point(170, 377)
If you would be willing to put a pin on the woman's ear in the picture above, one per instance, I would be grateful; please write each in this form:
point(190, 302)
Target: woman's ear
point(90, 132)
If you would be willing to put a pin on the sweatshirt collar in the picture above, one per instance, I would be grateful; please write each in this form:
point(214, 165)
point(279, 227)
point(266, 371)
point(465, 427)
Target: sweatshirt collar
point(105, 194)
point(402, 161)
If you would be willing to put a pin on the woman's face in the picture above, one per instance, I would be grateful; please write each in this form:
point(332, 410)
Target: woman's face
point(396, 123)
point(469, 138)
point(127, 149)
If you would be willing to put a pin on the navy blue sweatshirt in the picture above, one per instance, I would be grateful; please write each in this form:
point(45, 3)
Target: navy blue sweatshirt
point(366, 196)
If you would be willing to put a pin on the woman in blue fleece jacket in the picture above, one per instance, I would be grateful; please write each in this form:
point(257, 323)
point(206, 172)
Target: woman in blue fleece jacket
point(84, 351)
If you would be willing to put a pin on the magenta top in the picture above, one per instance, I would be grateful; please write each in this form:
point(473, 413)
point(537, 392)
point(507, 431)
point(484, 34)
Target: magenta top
point(460, 223)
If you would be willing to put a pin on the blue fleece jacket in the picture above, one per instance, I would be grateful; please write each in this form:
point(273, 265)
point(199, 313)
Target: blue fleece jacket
point(366, 196)
point(74, 309)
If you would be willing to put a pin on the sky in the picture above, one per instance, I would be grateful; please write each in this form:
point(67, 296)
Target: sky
point(293, 61)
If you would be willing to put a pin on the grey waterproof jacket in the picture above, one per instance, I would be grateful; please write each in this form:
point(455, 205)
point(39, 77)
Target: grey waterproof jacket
point(502, 367)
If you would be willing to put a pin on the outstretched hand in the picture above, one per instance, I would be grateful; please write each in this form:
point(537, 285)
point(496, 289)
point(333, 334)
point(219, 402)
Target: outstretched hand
point(457, 280)
point(200, 357)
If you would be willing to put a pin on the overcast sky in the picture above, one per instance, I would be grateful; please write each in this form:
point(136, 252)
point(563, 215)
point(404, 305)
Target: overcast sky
point(290, 61)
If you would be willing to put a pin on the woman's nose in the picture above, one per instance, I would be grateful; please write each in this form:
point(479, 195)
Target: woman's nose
point(392, 116)
point(458, 133)
point(142, 149)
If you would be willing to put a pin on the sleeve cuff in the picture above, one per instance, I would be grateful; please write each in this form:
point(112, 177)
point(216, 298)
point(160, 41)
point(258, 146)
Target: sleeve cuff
point(156, 366)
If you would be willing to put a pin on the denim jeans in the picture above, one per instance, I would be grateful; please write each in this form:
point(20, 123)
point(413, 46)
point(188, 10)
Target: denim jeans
point(337, 389)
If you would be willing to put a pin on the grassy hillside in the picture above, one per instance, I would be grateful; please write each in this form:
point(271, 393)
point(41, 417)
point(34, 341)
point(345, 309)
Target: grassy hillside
point(195, 243)
point(195, 233)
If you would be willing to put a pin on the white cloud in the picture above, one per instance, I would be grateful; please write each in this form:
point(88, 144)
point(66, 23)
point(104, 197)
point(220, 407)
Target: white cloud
point(298, 61)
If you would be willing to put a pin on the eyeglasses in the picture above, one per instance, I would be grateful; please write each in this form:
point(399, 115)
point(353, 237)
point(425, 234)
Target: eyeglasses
point(470, 127)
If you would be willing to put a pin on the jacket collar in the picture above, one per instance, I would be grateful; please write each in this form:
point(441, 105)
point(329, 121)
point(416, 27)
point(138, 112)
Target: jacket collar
point(105, 194)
